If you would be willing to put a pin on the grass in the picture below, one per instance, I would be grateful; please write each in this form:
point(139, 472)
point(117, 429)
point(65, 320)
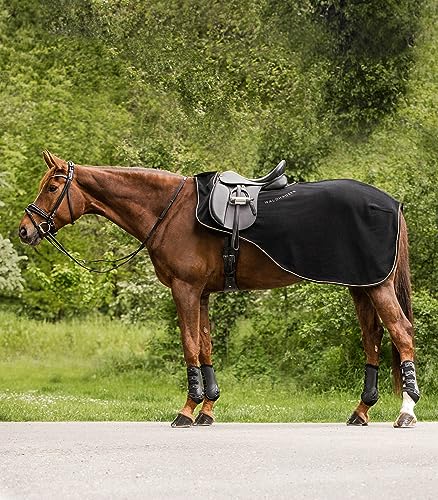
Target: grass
point(60, 390)
point(84, 371)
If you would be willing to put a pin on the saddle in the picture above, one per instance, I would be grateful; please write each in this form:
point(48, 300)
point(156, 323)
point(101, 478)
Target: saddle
point(233, 205)
point(233, 199)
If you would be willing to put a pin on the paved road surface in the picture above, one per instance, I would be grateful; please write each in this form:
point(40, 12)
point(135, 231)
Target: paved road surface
point(246, 461)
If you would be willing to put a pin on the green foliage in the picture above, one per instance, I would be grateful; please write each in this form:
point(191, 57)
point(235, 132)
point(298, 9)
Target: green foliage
point(308, 334)
point(11, 280)
point(220, 84)
point(55, 95)
point(226, 310)
point(68, 291)
point(140, 300)
point(371, 55)
point(339, 88)
point(426, 328)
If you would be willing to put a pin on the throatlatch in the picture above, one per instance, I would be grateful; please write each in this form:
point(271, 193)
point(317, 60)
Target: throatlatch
point(409, 380)
point(370, 393)
point(195, 385)
point(211, 389)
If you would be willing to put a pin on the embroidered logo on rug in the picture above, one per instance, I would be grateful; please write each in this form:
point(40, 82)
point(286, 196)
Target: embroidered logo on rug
point(278, 198)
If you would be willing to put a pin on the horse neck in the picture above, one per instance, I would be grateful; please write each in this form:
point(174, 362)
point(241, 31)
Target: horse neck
point(131, 198)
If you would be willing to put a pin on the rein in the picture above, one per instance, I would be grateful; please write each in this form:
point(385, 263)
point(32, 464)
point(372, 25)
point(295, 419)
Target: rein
point(47, 228)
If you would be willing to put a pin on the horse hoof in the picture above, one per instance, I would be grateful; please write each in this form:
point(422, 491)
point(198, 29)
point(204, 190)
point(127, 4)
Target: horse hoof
point(356, 420)
point(203, 420)
point(182, 421)
point(405, 421)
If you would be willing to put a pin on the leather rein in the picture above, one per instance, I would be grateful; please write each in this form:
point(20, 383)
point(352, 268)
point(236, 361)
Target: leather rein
point(47, 228)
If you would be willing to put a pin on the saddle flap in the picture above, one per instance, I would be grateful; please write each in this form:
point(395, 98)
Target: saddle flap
point(223, 205)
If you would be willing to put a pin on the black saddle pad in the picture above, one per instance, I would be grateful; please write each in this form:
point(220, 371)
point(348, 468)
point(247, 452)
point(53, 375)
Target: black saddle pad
point(339, 231)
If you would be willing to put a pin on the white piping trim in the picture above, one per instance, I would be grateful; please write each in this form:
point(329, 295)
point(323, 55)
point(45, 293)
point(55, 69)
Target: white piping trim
point(296, 274)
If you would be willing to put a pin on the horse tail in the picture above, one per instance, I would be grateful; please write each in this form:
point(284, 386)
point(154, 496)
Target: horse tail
point(403, 292)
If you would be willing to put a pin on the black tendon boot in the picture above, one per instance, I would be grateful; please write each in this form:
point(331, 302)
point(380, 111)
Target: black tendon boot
point(370, 393)
point(211, 388)
point(409, 380)
point(411, 395)
point(195, 385)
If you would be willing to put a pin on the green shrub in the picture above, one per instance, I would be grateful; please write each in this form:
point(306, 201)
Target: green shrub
point(309, 334)
point(371, 55)
point(11, 280)
point(426, 334)
point(226, 310)
point(65, 291)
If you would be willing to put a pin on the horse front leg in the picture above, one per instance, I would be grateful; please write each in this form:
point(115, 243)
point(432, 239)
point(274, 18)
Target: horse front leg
point(211, 388)
point(372, 333)
point(187, 300)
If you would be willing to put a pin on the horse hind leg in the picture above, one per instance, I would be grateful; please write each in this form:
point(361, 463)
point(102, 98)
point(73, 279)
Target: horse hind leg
point(400, 327)
point(372, 333)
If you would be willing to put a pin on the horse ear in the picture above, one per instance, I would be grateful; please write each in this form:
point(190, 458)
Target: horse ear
point(53, 161)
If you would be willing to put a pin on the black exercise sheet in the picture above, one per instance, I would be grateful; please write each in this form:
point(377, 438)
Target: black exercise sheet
point(337, 231)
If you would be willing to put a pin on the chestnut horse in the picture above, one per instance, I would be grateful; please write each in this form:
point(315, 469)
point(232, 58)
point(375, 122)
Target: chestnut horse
point(158, 208)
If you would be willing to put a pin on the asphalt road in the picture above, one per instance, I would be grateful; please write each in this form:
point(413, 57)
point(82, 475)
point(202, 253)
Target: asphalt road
point(111, 460)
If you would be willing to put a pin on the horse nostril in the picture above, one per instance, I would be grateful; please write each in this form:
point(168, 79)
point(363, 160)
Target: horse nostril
point(23, 232)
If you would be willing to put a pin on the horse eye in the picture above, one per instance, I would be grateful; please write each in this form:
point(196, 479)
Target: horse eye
point(53, 188)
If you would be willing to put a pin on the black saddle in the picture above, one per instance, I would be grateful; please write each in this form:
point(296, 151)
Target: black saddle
point(233, 205)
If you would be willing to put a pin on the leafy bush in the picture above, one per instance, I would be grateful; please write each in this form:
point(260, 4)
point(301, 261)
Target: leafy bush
point(65, 291)
point(371, 55)
point(310, 335)
point(426, 331)
point(11, 280)
point(307, 333)
point(141, 299)
point(225, 312)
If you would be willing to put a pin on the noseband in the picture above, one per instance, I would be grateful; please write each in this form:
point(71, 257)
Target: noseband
point(47, 226)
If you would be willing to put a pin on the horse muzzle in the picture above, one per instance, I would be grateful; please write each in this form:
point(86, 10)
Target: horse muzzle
point(28, 233)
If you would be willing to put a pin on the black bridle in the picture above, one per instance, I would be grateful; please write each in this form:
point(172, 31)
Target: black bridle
point(47, 228)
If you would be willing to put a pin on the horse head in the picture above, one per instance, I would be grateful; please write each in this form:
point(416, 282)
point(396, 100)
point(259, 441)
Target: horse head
point(55, 204)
